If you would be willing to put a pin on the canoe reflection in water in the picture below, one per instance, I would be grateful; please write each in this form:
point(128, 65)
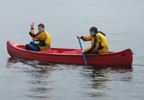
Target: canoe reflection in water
point(99, 79)
point(36, 76)
point(46, 80)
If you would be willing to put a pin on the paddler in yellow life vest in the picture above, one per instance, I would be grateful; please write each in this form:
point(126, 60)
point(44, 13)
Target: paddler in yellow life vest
point(98, 40)
point(42, 37)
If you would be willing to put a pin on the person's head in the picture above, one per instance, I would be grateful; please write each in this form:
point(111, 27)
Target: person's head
point(93, 31)
point(41, 27)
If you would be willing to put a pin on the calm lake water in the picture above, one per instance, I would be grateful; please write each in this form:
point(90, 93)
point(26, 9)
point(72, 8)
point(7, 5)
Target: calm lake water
point(121, 20)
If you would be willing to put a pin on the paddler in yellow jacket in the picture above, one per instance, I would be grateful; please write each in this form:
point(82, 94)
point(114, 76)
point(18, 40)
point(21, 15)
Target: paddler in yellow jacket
point(42, 37)
point(98, 40)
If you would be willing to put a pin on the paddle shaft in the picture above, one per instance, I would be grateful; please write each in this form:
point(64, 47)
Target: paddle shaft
point(82, 53)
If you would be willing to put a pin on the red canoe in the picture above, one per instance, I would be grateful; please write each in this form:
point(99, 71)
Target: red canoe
point(70, 56)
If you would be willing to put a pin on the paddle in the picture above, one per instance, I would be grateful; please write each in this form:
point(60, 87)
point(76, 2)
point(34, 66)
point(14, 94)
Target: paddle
point(82, 53)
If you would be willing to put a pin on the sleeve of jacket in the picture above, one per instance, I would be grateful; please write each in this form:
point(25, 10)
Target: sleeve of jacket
point(86, 38)
point(39, 36)
point(32, 33)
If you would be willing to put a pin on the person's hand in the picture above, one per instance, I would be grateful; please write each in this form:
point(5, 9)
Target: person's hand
point(83, 51)
point(78, 37)
point(32, 25)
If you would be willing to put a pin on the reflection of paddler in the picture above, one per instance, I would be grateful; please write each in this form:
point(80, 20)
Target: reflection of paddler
point(43, 38)
point(98, 40)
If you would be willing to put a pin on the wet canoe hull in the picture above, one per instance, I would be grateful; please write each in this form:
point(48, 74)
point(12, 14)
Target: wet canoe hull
point(70, 56)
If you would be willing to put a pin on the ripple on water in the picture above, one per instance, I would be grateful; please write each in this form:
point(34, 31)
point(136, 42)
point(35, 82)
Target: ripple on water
point(46, 80)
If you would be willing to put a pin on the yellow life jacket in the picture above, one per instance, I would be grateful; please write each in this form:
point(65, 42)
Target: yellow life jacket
point(43, 38)
point(98, 44)
point(45, 43)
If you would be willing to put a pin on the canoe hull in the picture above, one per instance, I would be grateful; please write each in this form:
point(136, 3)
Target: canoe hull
point(115, 58)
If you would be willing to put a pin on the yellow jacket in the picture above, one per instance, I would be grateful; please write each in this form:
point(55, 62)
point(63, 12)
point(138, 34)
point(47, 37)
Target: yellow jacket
point(98, 44)
point(44, 39)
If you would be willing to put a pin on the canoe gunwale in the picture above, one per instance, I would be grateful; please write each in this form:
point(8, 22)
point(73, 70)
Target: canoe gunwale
point(58, 54)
